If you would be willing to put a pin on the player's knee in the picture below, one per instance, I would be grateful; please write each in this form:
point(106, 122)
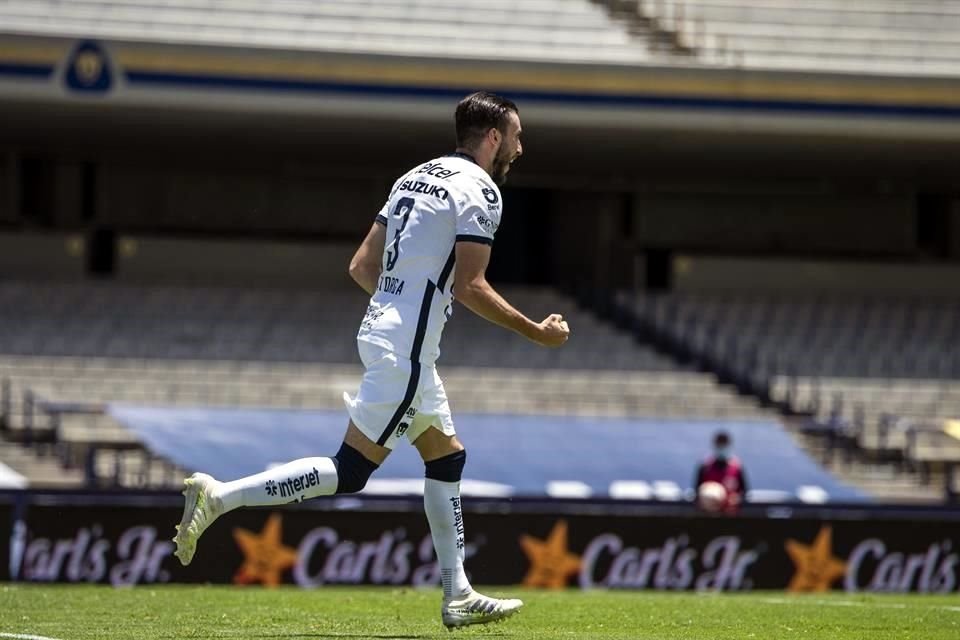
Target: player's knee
point(353, 469)
point(448, 468)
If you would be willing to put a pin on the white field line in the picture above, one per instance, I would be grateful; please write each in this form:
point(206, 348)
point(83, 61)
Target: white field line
point(851, 603)
point(24, 636)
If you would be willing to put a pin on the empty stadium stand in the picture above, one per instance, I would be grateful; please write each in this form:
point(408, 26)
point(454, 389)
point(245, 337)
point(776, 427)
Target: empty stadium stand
point(879, 36)
point(72, 350)
point(555, 30)
point(876, 374)
point(90, 319)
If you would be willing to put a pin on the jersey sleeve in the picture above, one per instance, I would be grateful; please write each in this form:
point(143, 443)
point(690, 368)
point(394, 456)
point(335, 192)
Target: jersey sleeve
point(478, 213)
point(385, 209)
point(382, 216)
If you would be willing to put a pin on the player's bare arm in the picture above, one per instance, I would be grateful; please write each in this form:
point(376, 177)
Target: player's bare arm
point(474, 292)
point(366, 263)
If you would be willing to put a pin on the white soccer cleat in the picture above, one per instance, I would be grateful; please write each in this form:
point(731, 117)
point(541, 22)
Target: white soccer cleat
point(476, 608)
point(200, 509)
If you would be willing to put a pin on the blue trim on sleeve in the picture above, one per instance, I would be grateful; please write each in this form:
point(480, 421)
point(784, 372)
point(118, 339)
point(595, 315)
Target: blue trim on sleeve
point(381, 220)
point(478, 239)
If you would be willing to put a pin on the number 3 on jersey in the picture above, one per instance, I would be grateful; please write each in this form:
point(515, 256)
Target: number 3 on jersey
point(403, 209)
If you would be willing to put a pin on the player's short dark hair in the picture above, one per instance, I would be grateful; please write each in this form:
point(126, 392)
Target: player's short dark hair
point(478, 113)
point(721, 439)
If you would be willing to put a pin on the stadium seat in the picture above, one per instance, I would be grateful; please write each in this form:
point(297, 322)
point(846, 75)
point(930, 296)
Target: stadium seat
point(823, 35)
point(871, 368)
point(77, 348)
point(570, 30)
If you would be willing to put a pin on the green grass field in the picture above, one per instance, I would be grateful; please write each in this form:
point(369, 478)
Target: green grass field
point(147, 613)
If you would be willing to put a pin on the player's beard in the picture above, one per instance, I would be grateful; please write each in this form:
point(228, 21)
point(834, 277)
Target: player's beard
point(501, 164)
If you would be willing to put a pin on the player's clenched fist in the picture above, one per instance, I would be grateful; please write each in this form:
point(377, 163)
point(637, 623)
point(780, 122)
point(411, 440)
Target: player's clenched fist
point(554, 331)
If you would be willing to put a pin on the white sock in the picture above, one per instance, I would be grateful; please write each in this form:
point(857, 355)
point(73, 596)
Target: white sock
point(292, 482)
point(441, 501)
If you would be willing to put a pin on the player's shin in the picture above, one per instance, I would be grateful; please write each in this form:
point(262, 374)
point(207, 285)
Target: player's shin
point(292, 482)
point(441, 501)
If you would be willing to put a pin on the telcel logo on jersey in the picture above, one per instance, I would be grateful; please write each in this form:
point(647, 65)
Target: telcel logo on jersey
point(437, 170)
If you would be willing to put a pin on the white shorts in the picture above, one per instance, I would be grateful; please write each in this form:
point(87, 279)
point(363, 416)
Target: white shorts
point(397, 398)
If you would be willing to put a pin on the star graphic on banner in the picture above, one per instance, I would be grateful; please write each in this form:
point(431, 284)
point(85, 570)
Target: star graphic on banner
point(265, 556)
point(550, 561)
point(817, 567)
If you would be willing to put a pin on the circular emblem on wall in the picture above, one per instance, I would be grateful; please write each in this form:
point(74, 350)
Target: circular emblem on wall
point(88, 69)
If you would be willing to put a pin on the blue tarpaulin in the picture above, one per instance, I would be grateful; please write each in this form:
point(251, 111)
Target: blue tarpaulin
point(507, 454)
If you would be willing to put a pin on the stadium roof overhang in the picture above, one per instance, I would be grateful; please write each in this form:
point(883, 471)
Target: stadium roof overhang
point(583, 123)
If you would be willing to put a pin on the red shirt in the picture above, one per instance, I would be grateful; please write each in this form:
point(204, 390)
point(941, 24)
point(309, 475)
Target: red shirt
point(729, 473)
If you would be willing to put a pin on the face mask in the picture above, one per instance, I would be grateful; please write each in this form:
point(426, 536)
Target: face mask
point(722, 452)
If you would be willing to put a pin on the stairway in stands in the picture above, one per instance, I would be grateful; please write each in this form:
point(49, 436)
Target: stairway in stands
point(886, 481)
point(39, 467)
point(761, 343)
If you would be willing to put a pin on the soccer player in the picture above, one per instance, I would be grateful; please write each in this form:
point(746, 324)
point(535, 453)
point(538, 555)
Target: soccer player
point(432, 239)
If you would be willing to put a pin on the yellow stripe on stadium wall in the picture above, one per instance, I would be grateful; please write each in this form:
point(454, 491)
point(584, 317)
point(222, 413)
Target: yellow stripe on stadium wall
point(28, 53)
point(716, 83)
point(684, 82)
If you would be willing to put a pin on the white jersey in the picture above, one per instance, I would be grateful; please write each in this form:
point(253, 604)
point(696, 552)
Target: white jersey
point(430, 209)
